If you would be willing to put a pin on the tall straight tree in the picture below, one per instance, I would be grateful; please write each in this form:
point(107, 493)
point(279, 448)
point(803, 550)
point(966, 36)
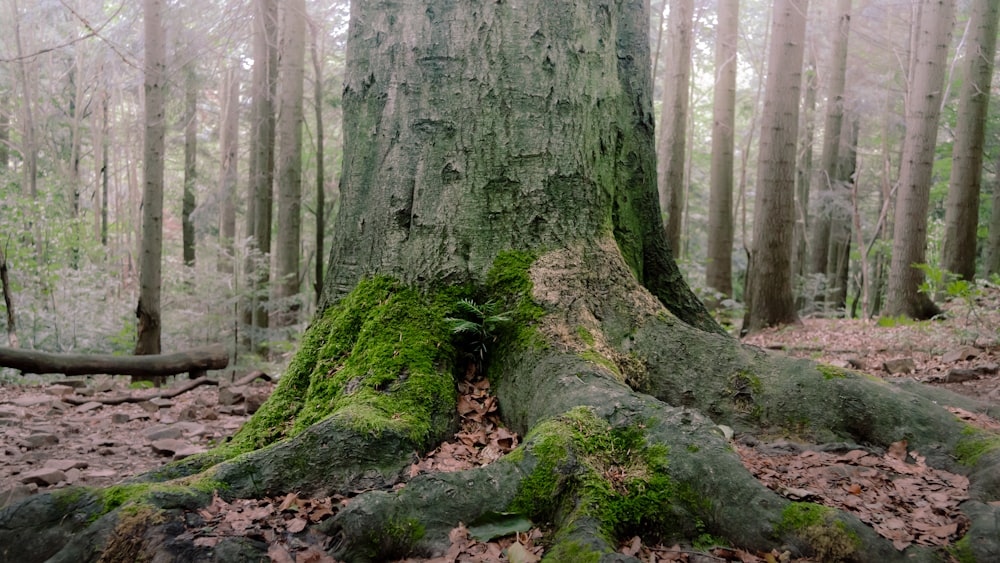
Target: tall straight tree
point(4, 129)
point(803, 169)
point(228, 178)
point(151, 244)
point(993, 235)
point(719, 268)
point(771, 301)
point(909, 244)
point(314, 52)
point(261, 185)
point(673, 123)
point(190, 159)
point(289, 166)
point(29, 144)
point(826, 174)
point(958, 254)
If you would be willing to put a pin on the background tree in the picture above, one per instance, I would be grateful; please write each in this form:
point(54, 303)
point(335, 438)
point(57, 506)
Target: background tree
point(674, 118)
point(260, 189)
point(289, 166)
point(770, 300)
point(719, 266)
point(804, 169)
point(314, 52)
point(154, 75)
point(961, 220)
point(190, 121)
point(922, 111)
point(228, 169)
point(993, 242)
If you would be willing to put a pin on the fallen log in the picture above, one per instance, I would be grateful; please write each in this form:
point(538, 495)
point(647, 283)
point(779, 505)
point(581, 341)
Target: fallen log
point(194, 361)
point(120, 399)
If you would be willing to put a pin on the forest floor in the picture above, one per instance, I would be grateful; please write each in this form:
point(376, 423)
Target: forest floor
point(47, 442)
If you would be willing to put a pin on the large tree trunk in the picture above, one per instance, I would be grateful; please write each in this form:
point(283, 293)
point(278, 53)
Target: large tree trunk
point(719, 267)
point(909, 243)
point(770, 300)
point(961, 220)
point(151, 247)
point(228, 169)
point(289, 166)
point(543, 200)
point(314, 52)
point(673, 123)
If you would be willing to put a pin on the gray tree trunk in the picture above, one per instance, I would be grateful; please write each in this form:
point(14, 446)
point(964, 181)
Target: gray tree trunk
point(770, 299)
point(228, 169)
point(190, 161)
point(320, 161)
point(673, 121)
point(804, 171)
point(826, 174)
point(719, 268)
point(151, 245)
point(261, 185)
point(29, 145)
point(841, 220)
point(4, 130)
point(909, 244)
point(289, 165)
point(961, 220)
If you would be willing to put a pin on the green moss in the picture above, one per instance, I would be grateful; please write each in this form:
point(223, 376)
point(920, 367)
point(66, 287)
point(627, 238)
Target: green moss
point(183, 492)
point(614, 475)
point(830, 539)
point(585, 336)
point(745, 388)
point(381, 357)
point(833, 372)
point(128, 543)
point(961, 550)
point(974, 443)
point(509, 281)
point(593, 356)
point(570, 551)
point(397, 538)
point(68, 497)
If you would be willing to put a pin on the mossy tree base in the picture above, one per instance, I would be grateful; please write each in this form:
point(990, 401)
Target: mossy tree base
point(620, 403)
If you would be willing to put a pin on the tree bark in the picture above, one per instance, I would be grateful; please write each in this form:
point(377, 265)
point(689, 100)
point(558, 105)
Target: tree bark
point(8, 301)
point(320, 161)
point(992, 265)
point(719, 267)
point(543, 201)
point(4, 130)
point(673, 120)
point(29, 145)
point(839, 251)
point(143, 367)
point(909, 245)
point(961, 220)
point(826, 174)
point(151, 246)
point(261, 185)
point(804, 171)
point(190, 161)
point(289, 165)
point(770, 300)
point(228, 169)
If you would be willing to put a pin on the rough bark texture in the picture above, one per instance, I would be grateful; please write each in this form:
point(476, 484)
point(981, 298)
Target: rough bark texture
point(289, 165)
point(196, 360)
point(228, 173)
point(8, 301)
point(719, 268)
point(909, 244)
point(770, 301)
point(673, 121)
point(320, 162)
point(151, 245)
point(190, 161)
point(961, 220)
point(826, 174)
point(593, 369)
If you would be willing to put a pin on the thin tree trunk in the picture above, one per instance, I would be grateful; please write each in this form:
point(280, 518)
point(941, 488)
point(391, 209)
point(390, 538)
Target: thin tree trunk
point(228, 173)
point(771, 301)
point(910, 232)
point(804, 171)
point(8, 300)
point(719, 268)
point(29, 147)
point(826, 174)
point(673, 123)
point(4, 130)
point(289, 165)
point(190, 161)
point(320, 160)
point(958, 253)
point(839, 253)
point(148, 310)
point(105, 164)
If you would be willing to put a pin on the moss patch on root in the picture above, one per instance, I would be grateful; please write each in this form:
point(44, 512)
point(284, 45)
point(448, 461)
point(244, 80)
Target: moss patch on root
point(611, 475)
point(381, 358)
point(974, 443)
point(828, 538)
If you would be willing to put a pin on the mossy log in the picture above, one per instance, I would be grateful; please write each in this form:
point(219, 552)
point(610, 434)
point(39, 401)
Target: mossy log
point(195, 361)
point(596, 378)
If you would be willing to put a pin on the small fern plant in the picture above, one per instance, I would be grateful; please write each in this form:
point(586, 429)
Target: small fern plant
point(477, 324)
